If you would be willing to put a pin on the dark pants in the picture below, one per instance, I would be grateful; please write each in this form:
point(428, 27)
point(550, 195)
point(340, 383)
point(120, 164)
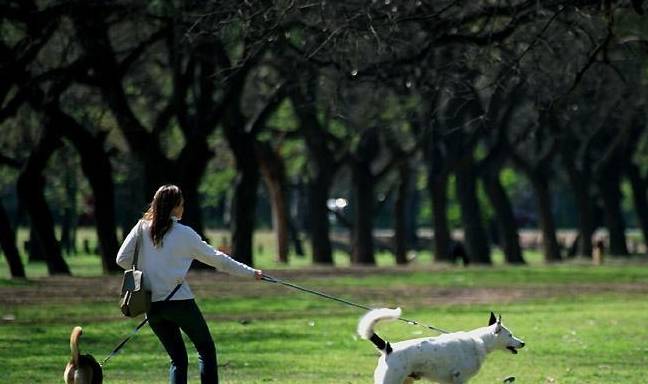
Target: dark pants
point(167, 319)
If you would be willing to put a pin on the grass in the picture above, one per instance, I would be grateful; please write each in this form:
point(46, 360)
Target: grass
point(291, 337)
point(582, 324)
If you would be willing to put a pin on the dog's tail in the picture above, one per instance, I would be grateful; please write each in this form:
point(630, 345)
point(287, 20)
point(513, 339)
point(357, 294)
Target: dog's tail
point(368, 321)
point(74, 344)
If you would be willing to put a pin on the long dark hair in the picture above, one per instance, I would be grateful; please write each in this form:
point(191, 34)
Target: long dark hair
point(165, 200)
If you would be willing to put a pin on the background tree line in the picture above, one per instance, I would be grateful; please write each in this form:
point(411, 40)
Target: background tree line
point(385, 103)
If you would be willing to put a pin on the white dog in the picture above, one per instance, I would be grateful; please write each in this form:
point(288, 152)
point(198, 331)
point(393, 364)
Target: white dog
point(451, 358)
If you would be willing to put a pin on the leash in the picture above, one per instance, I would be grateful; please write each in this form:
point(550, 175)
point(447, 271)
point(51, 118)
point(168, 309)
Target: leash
point(134, 332)
point(271, 279)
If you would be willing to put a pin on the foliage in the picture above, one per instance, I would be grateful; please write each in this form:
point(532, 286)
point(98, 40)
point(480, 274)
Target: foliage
point(215, 186)
point(182, 92)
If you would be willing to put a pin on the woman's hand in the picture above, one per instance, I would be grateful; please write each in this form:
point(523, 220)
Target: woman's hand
point(258, 274)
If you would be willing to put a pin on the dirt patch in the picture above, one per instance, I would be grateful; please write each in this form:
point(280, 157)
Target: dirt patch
point(65, 289)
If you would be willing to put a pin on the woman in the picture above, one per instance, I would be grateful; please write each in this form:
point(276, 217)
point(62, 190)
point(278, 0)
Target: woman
point(167, 249)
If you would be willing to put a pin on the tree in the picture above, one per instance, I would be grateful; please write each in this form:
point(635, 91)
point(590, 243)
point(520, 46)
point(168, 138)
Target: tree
point(185, 67)
point(8, 244)
point(498, 117)
point(30, 186)
point(403, 155)
point(274, 174)
point(324, 160)
point(363, 183)
point(242, 135)
point(96, 166)
point(535, 160)
point(7, 233)
point(452, 137)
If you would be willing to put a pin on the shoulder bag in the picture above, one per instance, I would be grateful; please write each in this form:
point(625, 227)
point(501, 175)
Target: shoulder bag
point(135, 300)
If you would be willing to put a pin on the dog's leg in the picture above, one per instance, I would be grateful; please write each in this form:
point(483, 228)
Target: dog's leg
point(457, 378)
point(380, 371)
point(68, 375)
point(395, 377)
point(389, 375)
point(83, 375)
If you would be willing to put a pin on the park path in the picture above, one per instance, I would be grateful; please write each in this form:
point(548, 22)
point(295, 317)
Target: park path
point(65, 289)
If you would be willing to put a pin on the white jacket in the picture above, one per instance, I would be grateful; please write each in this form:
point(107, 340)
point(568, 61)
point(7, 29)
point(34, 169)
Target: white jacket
point(165, 267)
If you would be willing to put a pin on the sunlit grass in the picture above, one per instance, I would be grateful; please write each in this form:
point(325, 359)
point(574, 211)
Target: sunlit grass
point(294, 338)
point(284, 336)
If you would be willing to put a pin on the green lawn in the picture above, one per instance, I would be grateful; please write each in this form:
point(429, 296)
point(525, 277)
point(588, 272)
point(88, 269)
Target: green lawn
point(581, 324)
point(88, 264)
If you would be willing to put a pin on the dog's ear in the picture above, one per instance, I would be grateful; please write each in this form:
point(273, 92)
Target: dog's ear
point(492, 319)
point(498, 327)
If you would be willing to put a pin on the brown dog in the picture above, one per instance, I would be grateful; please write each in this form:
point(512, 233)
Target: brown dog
point(82, 369)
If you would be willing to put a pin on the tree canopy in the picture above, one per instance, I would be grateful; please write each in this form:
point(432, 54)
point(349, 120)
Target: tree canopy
point(384, 104)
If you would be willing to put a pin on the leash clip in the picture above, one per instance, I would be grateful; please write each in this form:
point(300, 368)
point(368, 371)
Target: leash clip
point(269, 279)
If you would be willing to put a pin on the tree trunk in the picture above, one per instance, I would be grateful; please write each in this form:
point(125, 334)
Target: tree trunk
point(362, 248)
point(68, 227)
point(438, 187)
point(580, 184)
point(244, 213)
point(192, 215)
point(322, 166)
point(295, 238)
point(319, 225)
point(246, 183)
point(639, 186)
point(188, 169)
point(31, 186)
point(93, 32)
point(400, 214)
point(609, 181)
point(8, 244)
point(245, 191)
point(413, 207)
point(158, 169)
point(442, 238)
point(296, 219)
point(103, 192)
point(475, 238)
point(545, 216)
point(363, 184)
point(274, 175)
point(97, 168)
point(132, 196)
point(33, 246)
point(191, 167)
point(507, 229)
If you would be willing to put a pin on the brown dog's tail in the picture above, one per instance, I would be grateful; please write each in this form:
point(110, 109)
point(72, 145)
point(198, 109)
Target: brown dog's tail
point(74, 344)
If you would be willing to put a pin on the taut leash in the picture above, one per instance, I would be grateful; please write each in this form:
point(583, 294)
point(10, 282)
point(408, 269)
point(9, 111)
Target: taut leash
point(134, 332)
point(271, 279)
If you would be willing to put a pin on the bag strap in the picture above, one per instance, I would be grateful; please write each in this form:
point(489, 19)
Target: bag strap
point(137, 244)
point(134, 332)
